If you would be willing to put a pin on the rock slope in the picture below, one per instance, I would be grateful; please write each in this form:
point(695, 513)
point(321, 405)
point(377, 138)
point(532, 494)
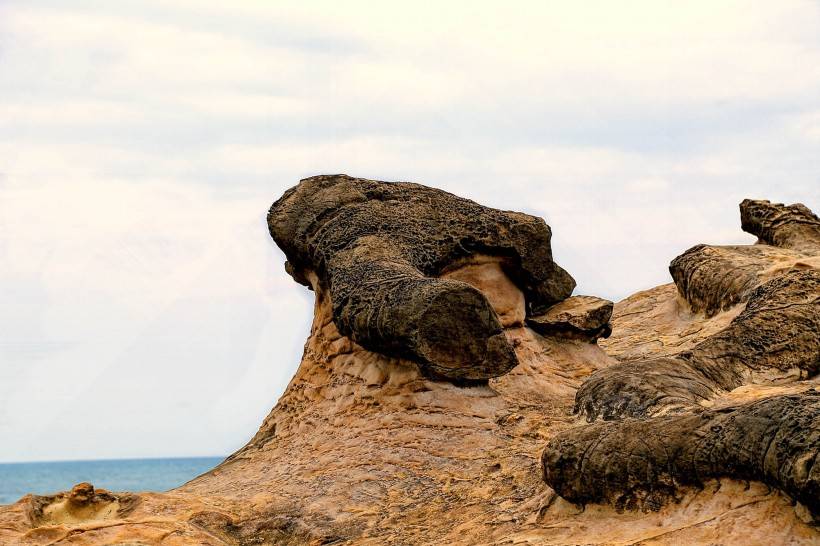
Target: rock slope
point(452, 391)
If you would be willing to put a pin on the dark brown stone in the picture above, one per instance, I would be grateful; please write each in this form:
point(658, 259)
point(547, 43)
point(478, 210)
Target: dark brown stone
point(378, 247)
point(776, 333)
point(640, 463)
point(715, 278)
point(577, 317)
point(786, 226)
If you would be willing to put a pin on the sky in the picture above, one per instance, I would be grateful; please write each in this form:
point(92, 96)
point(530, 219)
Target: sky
point(144, 310)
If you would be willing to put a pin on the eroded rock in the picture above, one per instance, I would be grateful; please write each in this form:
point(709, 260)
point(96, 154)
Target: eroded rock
point(792, 226)
point(380, 250)
point(577, 317)
point(776, 336)
point(656, 434)
point(367, 446)
point(636, 463)
point(82, 504)
point(716, 278)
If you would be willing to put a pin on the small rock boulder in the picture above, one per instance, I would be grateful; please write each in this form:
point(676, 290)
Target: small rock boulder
point(578, 317)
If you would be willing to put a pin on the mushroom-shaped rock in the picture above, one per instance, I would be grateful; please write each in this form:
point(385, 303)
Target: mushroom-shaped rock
point(380, 249)
point(578, 317)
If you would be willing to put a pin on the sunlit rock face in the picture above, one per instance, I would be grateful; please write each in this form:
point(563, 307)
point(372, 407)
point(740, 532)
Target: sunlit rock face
point(452, 391)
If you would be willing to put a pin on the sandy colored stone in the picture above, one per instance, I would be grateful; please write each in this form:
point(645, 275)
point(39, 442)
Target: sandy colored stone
point(785, 226)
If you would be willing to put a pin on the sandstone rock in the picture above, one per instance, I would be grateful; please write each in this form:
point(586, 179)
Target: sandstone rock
point(774, 338)
point(380, 249)
point(81, 494)
point(82, 504)
point(643, 463)
point(580, 317)
point(657, 322)
point(792, 226)
point(716, 278)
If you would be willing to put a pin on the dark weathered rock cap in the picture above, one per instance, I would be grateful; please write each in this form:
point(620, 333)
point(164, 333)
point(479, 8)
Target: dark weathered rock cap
point(379, 248)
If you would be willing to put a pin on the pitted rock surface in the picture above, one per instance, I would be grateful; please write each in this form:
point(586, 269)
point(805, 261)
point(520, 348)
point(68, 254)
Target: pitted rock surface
point(643, 463)
point(775, 336)
point(793, 226)
point(578, 317)
point(656, 435)
point(380, 249)
point(716, 278)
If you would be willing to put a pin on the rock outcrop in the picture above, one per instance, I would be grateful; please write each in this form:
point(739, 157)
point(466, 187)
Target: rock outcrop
point(579, 317)
point(774, 339)
point(380, 249)
point(792, 226)
point(643, 463)
point(452, 391)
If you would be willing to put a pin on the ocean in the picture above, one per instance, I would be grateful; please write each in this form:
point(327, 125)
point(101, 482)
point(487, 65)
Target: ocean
point(18, 479)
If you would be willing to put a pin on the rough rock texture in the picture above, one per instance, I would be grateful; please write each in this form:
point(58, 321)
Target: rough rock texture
point(579, 317)
point(775, 336)
point(774, 339)
point(637, 463)
point(792, 226)
point(716, 278)
point(82, 503)
point(369, 447)
point(380, 249)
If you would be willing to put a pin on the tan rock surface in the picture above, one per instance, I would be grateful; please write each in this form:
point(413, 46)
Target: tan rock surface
point(364, 448)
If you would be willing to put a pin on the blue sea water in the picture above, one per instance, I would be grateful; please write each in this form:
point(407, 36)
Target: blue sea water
point(18, 479)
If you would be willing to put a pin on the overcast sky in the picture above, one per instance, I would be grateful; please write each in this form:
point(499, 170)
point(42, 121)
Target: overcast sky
point(144, 310)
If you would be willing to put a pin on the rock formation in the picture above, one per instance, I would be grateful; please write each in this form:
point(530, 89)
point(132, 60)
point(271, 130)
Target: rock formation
point(776, 337)
point(380, 251)
point(452, 391)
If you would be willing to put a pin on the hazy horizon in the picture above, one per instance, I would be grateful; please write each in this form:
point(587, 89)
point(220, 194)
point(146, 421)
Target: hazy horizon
point(145, 310)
